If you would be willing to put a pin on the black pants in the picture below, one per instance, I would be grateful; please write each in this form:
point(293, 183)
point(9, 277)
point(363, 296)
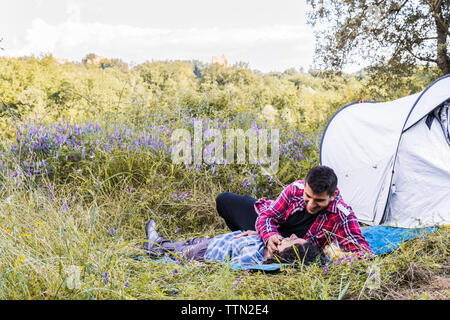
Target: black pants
point(237, 211)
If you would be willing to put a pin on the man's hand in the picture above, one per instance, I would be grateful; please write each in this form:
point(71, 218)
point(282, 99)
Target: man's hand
point(246, 233)
point(273, 242)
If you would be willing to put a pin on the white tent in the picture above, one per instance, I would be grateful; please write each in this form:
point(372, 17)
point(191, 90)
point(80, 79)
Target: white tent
point(392, 159)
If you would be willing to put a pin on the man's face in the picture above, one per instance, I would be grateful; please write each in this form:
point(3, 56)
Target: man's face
point(316, 202)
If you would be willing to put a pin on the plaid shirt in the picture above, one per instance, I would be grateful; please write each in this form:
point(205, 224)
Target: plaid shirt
point(243, 251)
point(337, 224)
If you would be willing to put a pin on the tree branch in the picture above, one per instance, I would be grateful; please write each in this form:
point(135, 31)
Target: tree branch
point(399, 8)
point(434, 11)
point(421, 58)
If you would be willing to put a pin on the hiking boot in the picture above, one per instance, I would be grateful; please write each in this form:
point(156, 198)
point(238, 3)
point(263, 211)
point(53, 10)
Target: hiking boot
point(153, 237)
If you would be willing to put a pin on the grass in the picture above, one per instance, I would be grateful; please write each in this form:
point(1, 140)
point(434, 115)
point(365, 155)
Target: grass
point(41, 243)
point(77, 232)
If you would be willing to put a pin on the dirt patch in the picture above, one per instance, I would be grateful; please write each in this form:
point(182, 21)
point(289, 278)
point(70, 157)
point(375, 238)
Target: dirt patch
point(417, 282)
point(438, 288)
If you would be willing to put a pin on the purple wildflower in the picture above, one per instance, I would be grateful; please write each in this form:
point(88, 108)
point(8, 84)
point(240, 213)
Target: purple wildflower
point(65, 207)
point(105, 277)
point(112, 231)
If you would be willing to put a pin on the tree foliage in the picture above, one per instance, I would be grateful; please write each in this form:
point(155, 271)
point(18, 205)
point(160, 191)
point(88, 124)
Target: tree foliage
point(390, 34)
point(42, 87)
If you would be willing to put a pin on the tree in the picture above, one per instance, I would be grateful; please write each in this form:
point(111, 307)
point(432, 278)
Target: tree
point(393, 34)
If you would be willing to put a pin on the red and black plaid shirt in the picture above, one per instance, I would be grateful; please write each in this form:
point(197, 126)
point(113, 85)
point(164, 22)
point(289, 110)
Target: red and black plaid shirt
point(336, 224)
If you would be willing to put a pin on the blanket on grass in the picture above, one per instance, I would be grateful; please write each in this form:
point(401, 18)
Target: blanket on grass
point(382, 240)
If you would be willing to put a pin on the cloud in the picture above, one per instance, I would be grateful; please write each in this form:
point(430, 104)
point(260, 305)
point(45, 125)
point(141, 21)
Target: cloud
point(73, 11)
point(73, 39)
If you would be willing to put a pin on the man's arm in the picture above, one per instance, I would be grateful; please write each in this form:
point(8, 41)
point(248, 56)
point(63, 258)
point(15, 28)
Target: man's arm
point(341, 226)
point(269, 217)
point(350, 238)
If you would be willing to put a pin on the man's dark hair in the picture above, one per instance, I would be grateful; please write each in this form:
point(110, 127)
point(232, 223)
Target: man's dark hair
point(303, 253)
point(322, 178)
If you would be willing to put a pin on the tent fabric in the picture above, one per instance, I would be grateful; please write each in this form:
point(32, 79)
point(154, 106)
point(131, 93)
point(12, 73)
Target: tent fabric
point(392, 168)
point(442, 114)
point(430, 98)
point(422, 180)
point(363, 166)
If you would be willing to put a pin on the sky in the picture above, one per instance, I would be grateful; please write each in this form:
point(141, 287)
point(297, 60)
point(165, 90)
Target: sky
point(268, 35)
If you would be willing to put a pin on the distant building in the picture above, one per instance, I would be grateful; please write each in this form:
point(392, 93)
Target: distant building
point(221, 61)
point(61, 60)
point(93, 60)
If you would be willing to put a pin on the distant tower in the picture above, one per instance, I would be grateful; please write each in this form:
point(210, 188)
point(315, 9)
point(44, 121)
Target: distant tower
point(221, 61)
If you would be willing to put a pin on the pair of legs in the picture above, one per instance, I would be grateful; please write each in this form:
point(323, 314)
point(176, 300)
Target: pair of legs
point(192, 249)
point(157, 246)
point(237, 211)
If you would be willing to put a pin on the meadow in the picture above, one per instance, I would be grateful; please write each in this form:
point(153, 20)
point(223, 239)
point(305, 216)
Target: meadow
point(85, 161)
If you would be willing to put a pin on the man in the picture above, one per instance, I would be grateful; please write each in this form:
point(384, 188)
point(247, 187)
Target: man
point(312, 209)
point(248, 250)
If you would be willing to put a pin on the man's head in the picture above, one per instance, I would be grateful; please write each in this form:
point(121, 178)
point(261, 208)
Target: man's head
point(320, 188)
point(294, 249)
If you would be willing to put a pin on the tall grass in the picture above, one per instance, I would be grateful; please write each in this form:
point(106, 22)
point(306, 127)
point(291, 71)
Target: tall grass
point(75, 199)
